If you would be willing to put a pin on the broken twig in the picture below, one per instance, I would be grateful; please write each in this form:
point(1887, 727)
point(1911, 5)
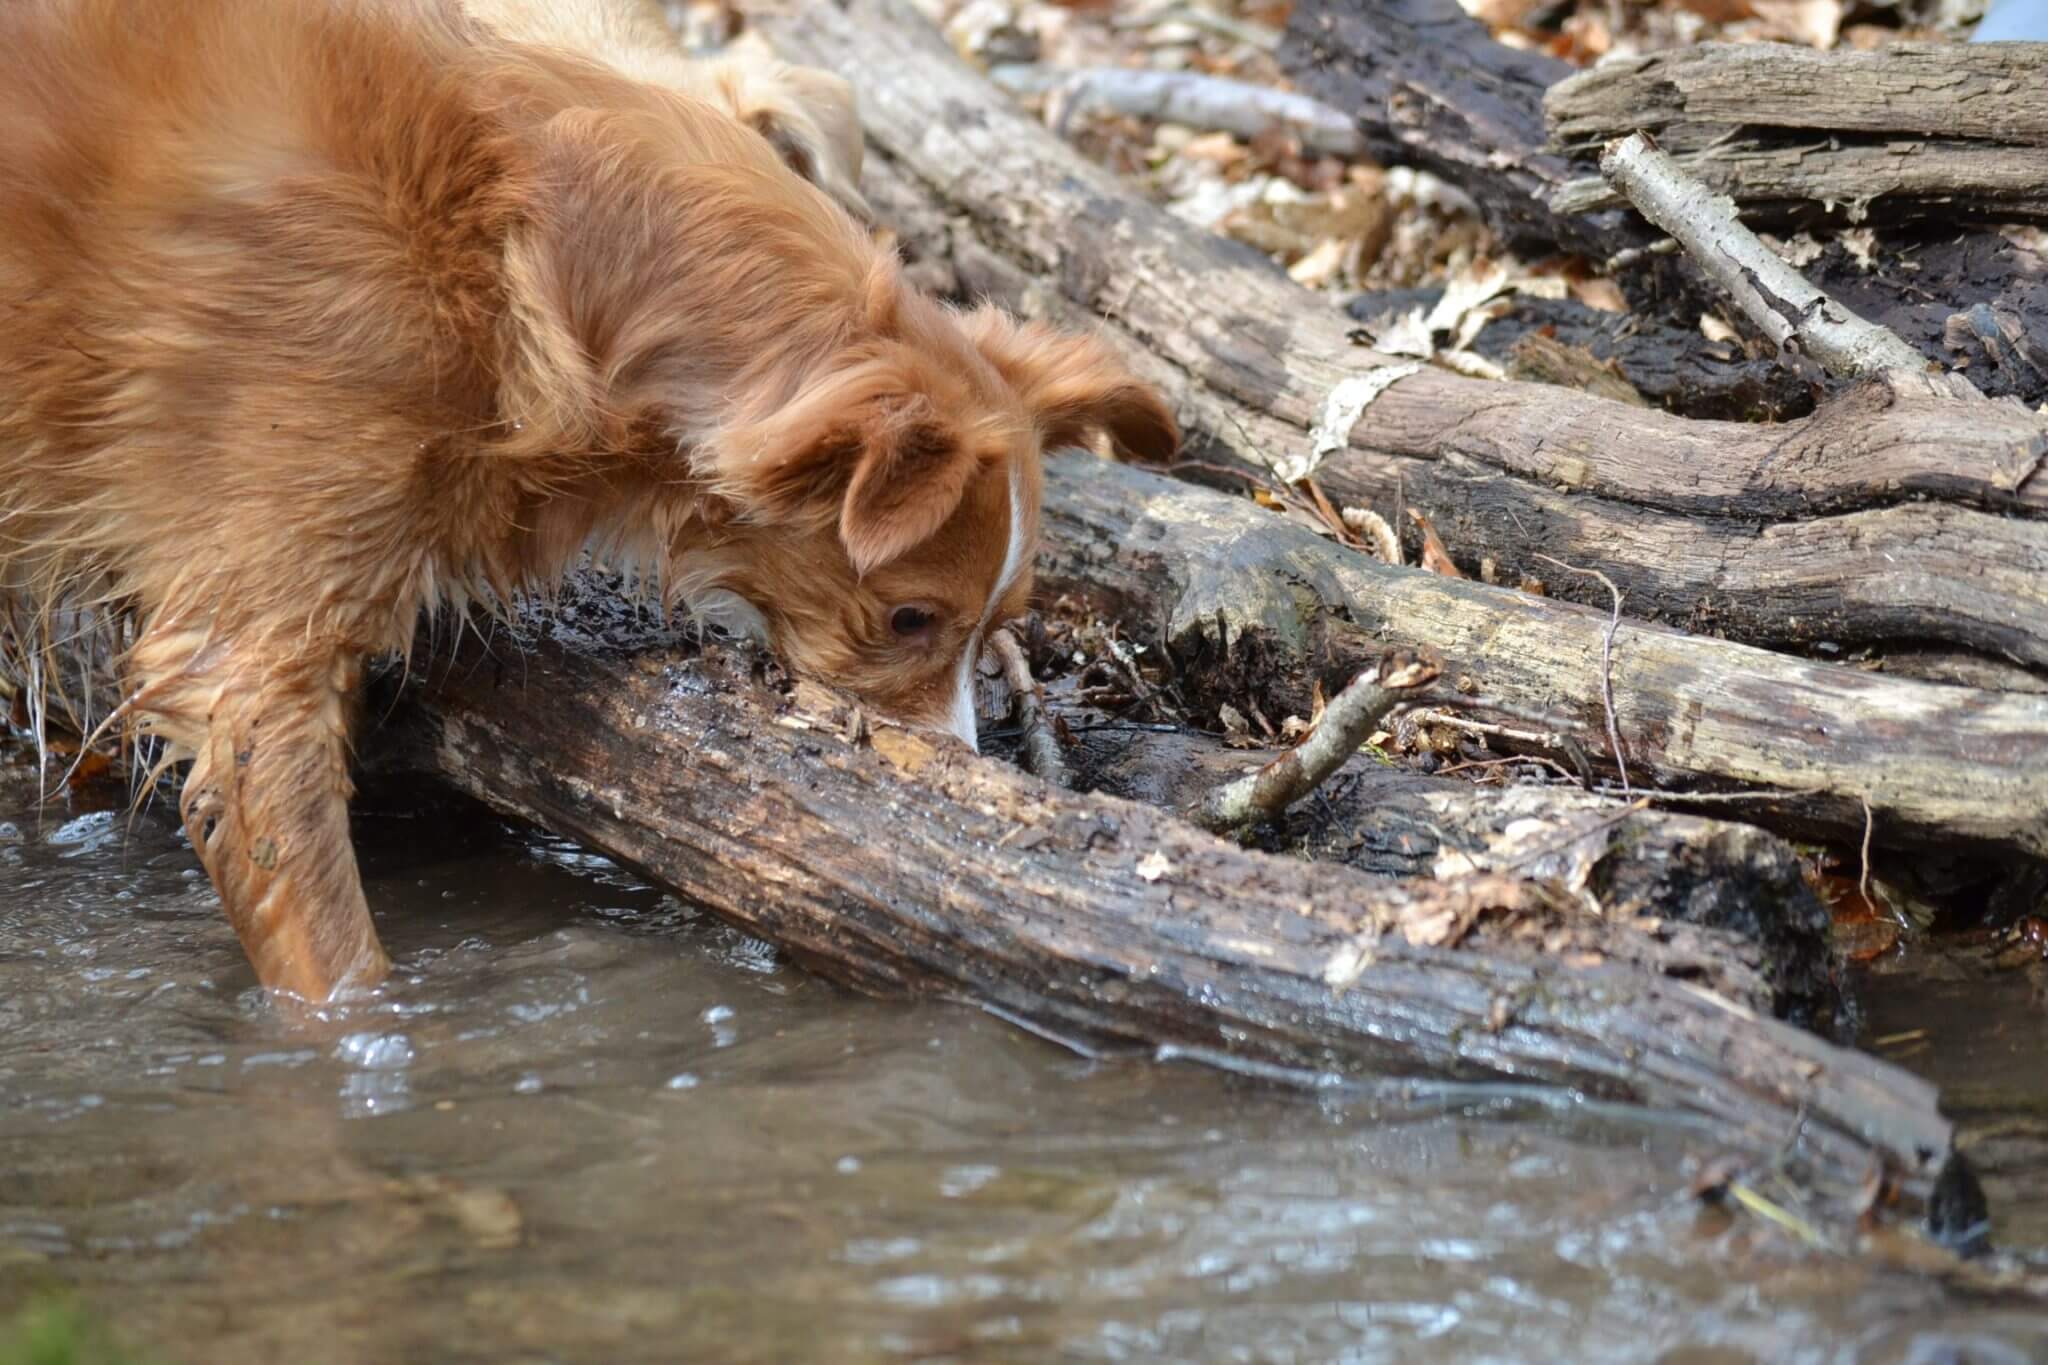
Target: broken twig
point(1349, 718)
point(1772, 294)
point(1041, 746)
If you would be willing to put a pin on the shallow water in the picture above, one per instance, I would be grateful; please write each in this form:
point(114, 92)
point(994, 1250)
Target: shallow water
point(586, 1123)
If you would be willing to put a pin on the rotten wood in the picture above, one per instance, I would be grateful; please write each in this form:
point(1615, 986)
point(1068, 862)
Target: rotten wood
point(1396, 822)
point(1896, 513)
point(1108, 924)
point(1667, 365)
point(1913, 130)
point(1896, 178)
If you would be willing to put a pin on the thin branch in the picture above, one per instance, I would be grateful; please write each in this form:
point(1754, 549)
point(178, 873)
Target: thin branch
point(1772, 294)
point(1350, 717)
point(1606, 663)
point(1041, 745)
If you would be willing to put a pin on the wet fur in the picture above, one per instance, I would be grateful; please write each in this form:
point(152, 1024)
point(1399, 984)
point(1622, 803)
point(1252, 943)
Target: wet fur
point(320, 316)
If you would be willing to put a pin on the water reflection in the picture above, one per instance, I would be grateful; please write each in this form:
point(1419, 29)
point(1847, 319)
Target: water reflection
point(586, 1123)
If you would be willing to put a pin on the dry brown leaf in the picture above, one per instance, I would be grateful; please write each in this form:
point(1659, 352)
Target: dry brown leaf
point(1600, 292)
point(1816, 23)
point(1713, 329)
point(1435, 558)
point(1431, 927)
point(1321, 265)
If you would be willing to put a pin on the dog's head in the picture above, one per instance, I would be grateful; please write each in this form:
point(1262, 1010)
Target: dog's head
point(860, 465)
point(885, 519)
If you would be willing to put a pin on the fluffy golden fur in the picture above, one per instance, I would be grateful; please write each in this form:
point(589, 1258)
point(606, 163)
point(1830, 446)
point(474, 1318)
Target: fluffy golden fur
point(322, 314)
point(806, 114)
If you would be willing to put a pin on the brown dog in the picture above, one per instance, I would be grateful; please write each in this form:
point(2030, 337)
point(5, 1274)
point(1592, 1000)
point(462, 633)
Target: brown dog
point(316, 315)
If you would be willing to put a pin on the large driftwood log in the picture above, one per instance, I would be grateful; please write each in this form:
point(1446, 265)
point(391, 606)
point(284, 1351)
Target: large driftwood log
point(1881, 518)
point(1213, 576)
point(1103, 923)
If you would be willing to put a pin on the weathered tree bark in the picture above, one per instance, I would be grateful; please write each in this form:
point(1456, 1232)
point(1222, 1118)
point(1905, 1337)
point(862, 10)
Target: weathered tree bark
point(1892, 515)
point(1691, 96)
point(1893, 179)
point(1394, 822)
point(1238, 595)
point(1429, 87)
point(1471, 110)
point(1105, 923)
point(1911, 131)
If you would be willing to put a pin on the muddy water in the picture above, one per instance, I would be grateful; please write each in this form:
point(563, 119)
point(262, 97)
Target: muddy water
point(588, 1124)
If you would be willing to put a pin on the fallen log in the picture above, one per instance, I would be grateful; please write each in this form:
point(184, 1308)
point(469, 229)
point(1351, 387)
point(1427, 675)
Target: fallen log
point(1668, 508)
point(1889, 180)
point(1106, 924)
point(1239, 595)
point(1688, 97)
point(1398, 823)
point(1941, 131)
point(1894, 515)
point(1430, 87)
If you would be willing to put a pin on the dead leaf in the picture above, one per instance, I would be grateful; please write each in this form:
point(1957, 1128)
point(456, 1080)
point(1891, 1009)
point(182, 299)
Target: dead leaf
point(1237, 731)
point(1713, 329)
point(1430, 928)
point(1153, 866)
point(1816, 23)
point(1600, 293)
point(1435, 558)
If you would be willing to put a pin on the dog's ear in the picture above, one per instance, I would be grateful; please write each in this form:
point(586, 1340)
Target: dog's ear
point(1074, 387)
point(912, 471)
point(885, 467)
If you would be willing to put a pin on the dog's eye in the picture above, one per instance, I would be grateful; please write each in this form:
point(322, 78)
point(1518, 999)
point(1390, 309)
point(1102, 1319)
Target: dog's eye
point(909, 621)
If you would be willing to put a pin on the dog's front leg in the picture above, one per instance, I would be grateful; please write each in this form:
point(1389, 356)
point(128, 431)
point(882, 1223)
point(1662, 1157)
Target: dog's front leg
point(266, 806)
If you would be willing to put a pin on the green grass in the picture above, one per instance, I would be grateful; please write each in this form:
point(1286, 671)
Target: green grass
point(58, 1332)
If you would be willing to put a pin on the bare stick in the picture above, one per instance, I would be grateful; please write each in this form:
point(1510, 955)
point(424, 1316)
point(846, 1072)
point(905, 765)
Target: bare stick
point(1775, 297)
point(1346, 722)
point(1188, 97)
point(1041, 746)
point(1606, 663)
